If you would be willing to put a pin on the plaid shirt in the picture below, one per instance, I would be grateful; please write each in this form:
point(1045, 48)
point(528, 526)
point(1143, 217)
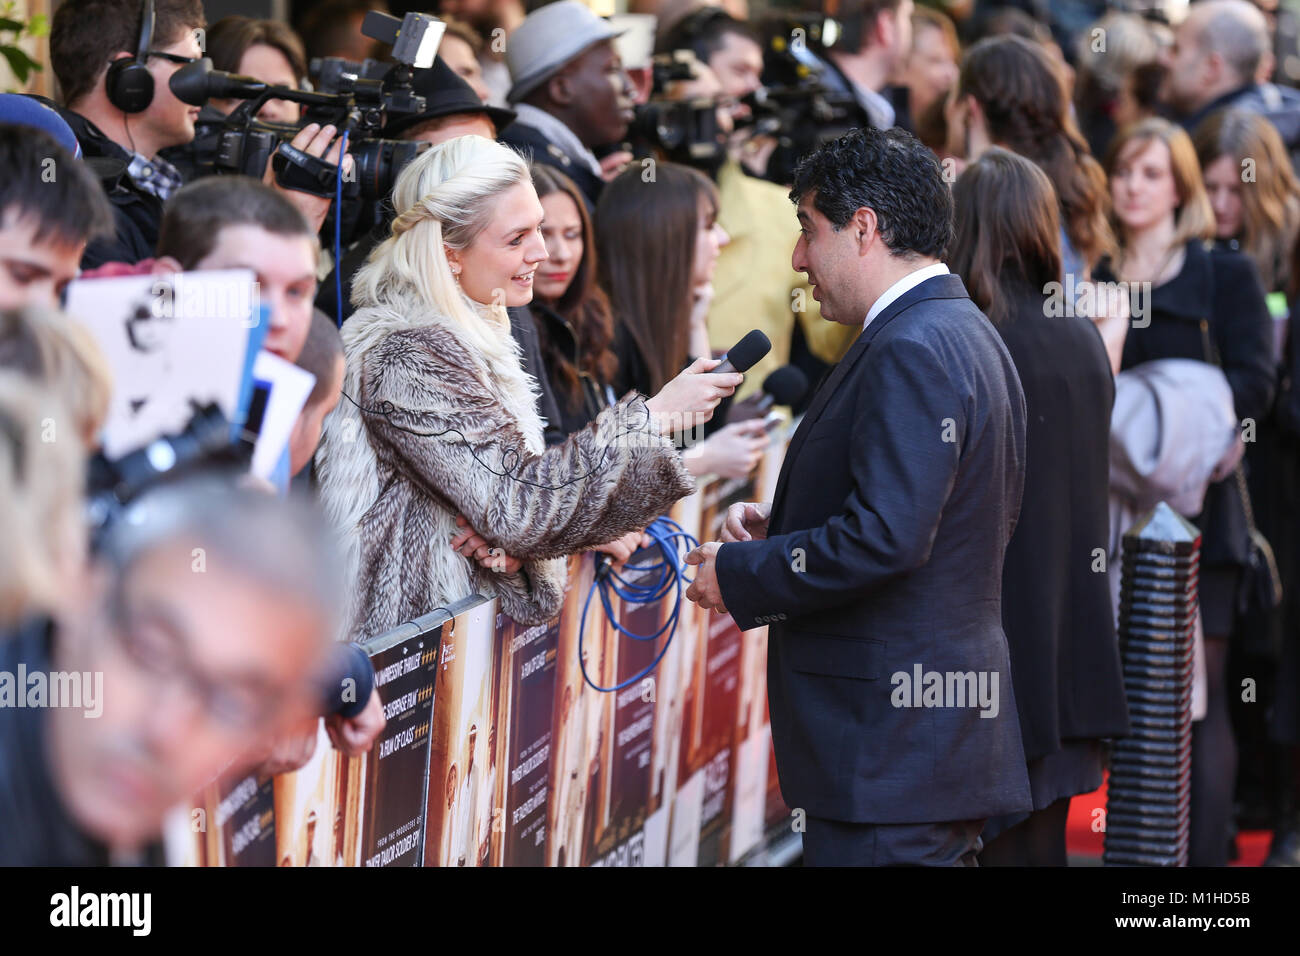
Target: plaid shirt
point(156, 176)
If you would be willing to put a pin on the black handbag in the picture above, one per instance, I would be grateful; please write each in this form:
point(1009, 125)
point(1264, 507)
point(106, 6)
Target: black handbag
point(1260, 590)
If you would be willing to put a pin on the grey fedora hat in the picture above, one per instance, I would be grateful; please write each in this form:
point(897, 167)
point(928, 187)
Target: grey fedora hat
point(548, 38)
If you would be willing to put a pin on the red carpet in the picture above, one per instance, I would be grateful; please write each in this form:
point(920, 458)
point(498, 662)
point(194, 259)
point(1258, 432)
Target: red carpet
point(1083, 832)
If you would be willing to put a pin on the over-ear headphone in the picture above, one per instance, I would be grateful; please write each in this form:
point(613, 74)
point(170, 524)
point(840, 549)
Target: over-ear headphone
point(129, 84)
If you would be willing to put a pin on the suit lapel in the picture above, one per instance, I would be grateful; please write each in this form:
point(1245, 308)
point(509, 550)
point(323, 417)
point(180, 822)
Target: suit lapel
point(938, 287)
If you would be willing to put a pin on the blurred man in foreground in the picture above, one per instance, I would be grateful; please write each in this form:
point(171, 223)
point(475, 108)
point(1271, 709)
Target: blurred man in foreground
point(203, 632)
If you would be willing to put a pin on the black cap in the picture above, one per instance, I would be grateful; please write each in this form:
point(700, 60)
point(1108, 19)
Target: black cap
point(446, 94)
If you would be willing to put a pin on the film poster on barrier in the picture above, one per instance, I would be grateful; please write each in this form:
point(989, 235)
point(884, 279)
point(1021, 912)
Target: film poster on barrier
point(317, 809)
point(231, 822)
point(395, 771)
point(528, 665)
point(464, 760)
point(578, 762)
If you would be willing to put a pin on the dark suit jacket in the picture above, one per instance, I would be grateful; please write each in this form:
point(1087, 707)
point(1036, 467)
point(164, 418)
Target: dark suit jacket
point(533, 145)
point(1056, 608)
point(884, 554)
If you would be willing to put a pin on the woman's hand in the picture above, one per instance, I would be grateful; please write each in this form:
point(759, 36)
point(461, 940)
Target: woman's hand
point(690, 398)
point(470, 544)
point(1112, 316)
point(620, 549)
point(732, 452)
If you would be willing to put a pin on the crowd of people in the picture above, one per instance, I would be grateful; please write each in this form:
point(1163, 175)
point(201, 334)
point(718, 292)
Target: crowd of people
point(516, 350)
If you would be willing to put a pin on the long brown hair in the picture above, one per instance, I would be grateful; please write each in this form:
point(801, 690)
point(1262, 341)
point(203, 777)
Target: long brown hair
point(584, 304)
point(646, 227)
point(1022, 95)
point(1270, 202)
point(1008, 231)
point(231, 37)
point(1194, 217)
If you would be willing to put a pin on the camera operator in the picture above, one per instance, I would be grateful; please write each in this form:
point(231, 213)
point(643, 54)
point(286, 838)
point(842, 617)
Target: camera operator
point(45, 222)
point(882, 30)
point(183, 674)
point(732, 49)
point(754, 284)
point(571, 93)
point(268, 51)
point(113, 60)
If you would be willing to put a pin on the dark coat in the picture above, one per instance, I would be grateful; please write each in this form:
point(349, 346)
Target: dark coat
point(575, 411)
point(534, 146)
point(137, 215)
point(1221, 289)
point(1056, 607)
point(884, 554)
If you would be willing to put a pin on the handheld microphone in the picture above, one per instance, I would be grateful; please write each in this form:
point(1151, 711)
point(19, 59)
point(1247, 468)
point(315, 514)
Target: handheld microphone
point(742, 356)
point(785, 386)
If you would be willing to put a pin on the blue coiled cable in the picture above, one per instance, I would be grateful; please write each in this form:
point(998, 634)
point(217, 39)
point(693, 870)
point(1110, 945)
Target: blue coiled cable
point(654, 582)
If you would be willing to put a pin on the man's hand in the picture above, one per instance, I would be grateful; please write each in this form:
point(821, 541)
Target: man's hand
point(704, 589)
point(314, 140)
point(746, 521)
point(288, 752)
point(354, 736)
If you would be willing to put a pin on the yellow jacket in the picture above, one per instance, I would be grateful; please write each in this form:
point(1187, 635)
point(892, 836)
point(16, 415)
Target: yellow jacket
point(755, 287)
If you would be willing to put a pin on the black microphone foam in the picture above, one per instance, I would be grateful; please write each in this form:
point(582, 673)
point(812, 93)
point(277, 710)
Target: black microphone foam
point(787, 385)
point(741, 356)
point(195, 83)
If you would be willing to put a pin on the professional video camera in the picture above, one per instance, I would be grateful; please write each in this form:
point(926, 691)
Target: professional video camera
point(686, 131)
point(351, 97)
point(796, 105)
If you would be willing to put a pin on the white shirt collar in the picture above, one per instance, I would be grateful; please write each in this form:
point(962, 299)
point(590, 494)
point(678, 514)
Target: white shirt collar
point(879, 109)
point(909, 281)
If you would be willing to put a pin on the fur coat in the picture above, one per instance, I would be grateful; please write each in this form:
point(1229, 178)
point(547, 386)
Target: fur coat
point(446, 427)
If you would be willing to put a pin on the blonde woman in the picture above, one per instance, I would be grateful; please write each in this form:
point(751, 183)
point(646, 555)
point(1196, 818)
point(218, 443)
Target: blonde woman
point(53, 402)
point(439, 423)
point(57, 351)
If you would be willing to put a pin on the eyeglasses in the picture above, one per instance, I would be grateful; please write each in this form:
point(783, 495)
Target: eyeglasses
point(172, 57)
point(155, 650)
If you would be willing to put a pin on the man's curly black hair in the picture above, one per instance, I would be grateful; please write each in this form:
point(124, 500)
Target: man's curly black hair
point(889, 172)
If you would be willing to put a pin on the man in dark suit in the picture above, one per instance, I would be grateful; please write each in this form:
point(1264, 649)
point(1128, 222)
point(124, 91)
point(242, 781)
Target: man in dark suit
point(878, 564)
